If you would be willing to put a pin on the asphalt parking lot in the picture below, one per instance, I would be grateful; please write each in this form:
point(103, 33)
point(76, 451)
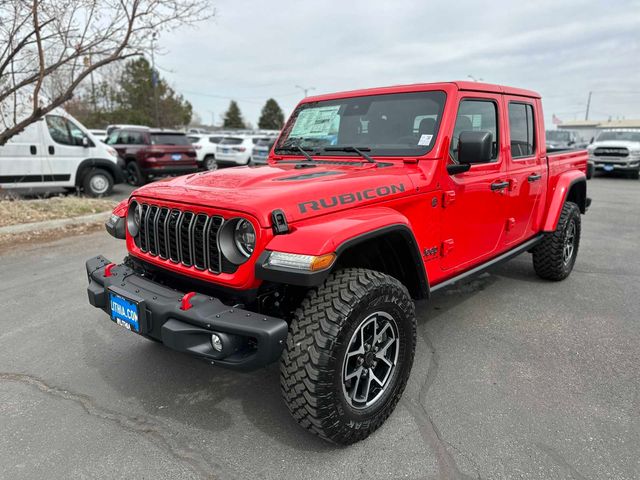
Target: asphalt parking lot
point(514, 377)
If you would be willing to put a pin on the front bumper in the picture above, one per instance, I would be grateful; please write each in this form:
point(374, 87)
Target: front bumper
point(251, 340)
point(616, 165)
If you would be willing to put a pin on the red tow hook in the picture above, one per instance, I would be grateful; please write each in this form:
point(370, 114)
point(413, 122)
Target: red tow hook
point(108, 268)
point(185, 303)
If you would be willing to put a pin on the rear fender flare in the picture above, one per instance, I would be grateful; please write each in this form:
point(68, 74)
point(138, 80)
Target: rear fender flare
point(570, 185)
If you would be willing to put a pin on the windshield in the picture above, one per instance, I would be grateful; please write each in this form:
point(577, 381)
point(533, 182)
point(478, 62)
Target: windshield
point(169, 139)
point(629, 136)
point(557, 136)
point(396, 124)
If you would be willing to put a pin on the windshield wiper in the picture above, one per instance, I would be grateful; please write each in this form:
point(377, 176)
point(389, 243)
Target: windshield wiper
point(297, 148)
point(360, 151)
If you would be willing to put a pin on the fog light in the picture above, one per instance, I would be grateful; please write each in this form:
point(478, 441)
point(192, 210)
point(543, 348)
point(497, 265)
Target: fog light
point(216, 342)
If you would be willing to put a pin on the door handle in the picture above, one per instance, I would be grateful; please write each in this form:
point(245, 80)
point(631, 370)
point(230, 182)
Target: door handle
point(33, 149)
point(52, 150)
point(534, 177)
point(499, 185)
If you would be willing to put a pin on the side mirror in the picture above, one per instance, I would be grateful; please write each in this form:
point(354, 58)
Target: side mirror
point(85, 142)
point(475, 147)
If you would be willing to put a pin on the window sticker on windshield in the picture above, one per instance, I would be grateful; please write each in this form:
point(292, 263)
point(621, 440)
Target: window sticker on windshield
point(315, 122)
point(425, 140)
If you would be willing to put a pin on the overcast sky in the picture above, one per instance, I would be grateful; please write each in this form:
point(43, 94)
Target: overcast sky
point(253, 50)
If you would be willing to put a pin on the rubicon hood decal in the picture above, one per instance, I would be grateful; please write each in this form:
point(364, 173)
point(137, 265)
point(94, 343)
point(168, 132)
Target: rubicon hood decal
point(347, 198)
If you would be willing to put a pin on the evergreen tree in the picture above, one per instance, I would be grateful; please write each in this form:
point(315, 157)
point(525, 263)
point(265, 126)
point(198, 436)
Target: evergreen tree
point(233, 116)
point(272, 117)
point(137, 100)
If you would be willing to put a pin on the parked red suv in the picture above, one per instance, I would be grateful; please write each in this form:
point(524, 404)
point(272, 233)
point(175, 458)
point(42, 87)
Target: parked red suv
point(151, 153)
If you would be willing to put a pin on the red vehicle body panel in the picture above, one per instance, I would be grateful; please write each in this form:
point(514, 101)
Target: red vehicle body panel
point(457, 216)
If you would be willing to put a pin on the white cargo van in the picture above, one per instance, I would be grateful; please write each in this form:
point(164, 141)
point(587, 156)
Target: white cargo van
point(57, 151)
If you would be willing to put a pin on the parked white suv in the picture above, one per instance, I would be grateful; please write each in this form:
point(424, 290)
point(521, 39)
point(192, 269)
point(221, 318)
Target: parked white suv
point(617, 150)
point(236, 150)
point(57, 151)
point(205, 145)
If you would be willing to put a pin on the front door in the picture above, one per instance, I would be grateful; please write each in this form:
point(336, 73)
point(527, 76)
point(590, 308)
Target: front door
point(64, 148)
point(474, 202)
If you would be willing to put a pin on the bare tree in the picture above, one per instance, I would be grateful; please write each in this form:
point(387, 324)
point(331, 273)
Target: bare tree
point(48, 47)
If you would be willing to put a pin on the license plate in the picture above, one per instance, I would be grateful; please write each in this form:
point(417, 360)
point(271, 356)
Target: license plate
point(124, 312)
point(608, 168)
point(225, 150)
point(176, 156)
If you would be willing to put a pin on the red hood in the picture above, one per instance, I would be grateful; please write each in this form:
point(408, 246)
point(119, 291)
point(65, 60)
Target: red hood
point(300, 193)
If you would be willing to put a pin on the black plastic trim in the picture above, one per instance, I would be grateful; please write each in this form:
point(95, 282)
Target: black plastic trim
point(116, 229)
point(262, 336)
point(523, 247)
point(311, 279)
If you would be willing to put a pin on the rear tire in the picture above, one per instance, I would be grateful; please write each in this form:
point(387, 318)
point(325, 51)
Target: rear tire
point(210, 163)
point(134, 174)
point(358, 320)
point(97, 183)
point(554, 257)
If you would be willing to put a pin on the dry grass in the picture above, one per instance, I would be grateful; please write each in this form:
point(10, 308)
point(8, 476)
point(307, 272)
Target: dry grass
point(14, 211)
point(9, 242)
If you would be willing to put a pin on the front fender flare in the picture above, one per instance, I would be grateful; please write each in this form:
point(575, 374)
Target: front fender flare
point(334, 234)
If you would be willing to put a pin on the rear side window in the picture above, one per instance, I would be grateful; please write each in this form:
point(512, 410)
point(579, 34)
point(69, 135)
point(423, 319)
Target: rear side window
point(215, 139)
point(231, 141)
point(475, 115)
point(194, 139)
point(169, 139)
point(131, 138)
point(522, 130)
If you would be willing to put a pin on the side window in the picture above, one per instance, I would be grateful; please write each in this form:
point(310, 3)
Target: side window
point(475, 115)
point(58, 130)
point(113, 138)
point(521, 126)
point(76, 134)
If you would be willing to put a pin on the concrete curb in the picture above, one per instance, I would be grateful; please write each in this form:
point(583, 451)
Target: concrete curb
point(53, 224)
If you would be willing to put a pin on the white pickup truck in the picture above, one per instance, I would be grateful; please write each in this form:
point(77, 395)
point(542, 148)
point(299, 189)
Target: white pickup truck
point(617, 151)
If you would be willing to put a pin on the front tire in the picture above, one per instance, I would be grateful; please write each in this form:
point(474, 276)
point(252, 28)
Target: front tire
point(348, 355)
point(554, 257)
point(97, 183)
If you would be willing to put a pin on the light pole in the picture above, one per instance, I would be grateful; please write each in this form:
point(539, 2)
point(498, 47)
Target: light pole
point(586, 115)
point(154, 79)
point(305, 89)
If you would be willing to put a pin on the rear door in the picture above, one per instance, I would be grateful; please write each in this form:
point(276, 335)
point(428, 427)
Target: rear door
point(474, 201)
point(527, 170)
point(21, 158)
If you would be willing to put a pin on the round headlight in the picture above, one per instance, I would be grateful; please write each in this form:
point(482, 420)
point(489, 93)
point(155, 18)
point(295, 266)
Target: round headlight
point(237, 240)
point(245, 237)
point(134, 218)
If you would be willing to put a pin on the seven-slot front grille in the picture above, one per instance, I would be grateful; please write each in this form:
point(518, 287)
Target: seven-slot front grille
point(182, 237)
point(611, 152)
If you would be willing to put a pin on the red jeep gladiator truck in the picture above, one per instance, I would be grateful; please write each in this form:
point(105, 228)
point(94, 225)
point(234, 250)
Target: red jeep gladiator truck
point(370, 199)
